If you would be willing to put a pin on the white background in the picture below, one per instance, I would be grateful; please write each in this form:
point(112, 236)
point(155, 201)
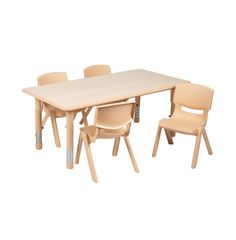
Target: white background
point(41, 199)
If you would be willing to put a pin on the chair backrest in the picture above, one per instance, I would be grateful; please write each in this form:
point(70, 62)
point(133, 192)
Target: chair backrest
point(97, 70)
point(114, 116)
point(53, 77)
point(193, 96)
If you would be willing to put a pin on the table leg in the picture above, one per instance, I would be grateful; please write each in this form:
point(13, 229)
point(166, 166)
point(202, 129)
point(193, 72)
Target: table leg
point(137, 109)
point(38, 124)
point(172, 106)
point(69, 139)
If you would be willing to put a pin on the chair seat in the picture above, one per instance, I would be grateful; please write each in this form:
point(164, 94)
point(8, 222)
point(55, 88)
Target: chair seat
point(111, 133)
point(183, 122)
point(124, 100)
point(92, 133)
point(58, 113)
point(50, 109)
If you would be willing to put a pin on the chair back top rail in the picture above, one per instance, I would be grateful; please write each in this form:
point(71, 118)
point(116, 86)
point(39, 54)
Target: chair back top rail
point(114, 116)
point(193, 96)
point(52, 77)
point(97, 70)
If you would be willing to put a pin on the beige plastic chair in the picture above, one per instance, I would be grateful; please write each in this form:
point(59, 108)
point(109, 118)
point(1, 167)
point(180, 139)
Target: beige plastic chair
point(192, 96)
point(111, 121)
point(50, 111)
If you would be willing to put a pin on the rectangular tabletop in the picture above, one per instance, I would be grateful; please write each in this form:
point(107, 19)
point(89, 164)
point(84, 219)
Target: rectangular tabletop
point(78, 94)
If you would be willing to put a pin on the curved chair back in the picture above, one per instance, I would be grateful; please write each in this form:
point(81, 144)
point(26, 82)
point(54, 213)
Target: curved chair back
point(114, 116)
point(97, 70)
point(193, 96)
point(53, 77)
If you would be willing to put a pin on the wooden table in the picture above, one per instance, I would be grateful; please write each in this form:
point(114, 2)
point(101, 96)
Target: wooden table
point(77, 94)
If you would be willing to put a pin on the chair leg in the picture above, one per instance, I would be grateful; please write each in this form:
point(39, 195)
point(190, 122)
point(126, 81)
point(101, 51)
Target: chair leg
point(196, 149)
point(116, 146)
point(80, 142)
point(131, 154)
point(154, 152)
point(172, 134)
point(55, 131)
point(85, 121)
point(45, 118)
point(172, 107)
point(85, 115)
point(75, 114)
point(90, 158)
point(207, 142)
point(168, 136)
